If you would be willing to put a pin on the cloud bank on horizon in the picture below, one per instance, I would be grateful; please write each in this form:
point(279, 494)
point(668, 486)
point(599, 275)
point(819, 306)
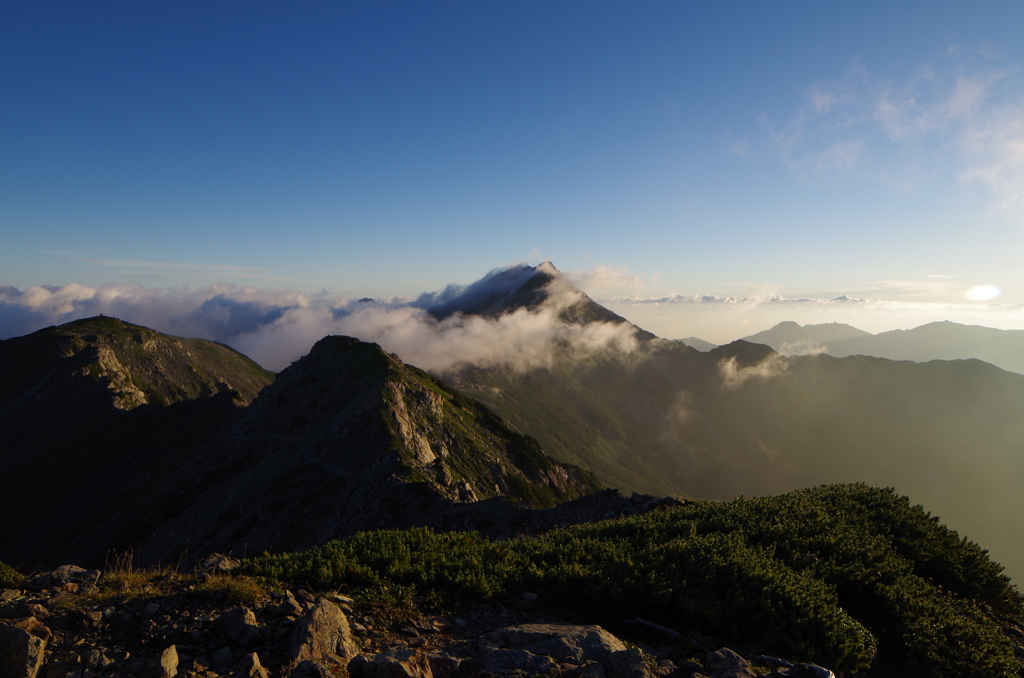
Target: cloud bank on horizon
point(276, 327)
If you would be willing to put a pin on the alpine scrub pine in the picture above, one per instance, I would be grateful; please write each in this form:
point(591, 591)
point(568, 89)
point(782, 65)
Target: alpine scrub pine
point(833, 574)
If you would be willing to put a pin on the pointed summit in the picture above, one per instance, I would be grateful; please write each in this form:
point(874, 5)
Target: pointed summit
point(521, 287)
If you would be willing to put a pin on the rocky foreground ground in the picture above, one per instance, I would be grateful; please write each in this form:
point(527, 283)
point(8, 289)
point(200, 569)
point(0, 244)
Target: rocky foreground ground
point(75, 623)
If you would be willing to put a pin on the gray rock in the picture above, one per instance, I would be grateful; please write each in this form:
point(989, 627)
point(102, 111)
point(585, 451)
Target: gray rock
point(667, 669)
point(32, 626)
point(309, 669)
point(289, 607)
point(724, 663)
point(241, 625)
point(251, 667)
point(404, 663)
point(323, 633)
point(21, 653)
point(506, 660)
point(587, 670)
point(65, 574)
point(216, 563)
point(222, 658)
point(168, 663)
point(563, 642)
point(627, 664)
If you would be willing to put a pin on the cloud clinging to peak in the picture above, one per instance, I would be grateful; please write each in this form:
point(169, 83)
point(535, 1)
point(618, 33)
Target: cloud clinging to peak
point(275, 328)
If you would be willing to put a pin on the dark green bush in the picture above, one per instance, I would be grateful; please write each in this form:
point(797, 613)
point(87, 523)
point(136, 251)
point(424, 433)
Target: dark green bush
point(830, 574)
point(9, 577)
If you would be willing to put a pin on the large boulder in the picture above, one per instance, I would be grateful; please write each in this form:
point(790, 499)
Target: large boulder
point(627, 664)
point(323, 633)
point(566, 643)
point(21, 653)
point(724, 663)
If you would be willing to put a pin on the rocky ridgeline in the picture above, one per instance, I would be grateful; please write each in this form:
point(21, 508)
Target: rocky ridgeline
point(54, 628)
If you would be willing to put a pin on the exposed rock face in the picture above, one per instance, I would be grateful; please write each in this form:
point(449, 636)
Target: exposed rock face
point(118, 364)
point(349, 438)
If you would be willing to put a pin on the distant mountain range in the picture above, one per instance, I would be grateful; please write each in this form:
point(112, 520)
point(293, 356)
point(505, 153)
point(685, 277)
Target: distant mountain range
point(116, 436)
point(743, 419)
point(935, 341)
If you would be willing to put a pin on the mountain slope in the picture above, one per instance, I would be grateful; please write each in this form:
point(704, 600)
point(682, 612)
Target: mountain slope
point(347, 438)
point(742, 419)
point(110, 362)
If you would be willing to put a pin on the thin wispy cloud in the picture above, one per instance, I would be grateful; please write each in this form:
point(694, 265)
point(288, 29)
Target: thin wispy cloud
point(946, 120)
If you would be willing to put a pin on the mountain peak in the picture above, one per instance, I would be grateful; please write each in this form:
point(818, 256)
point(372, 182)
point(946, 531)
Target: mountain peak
point(522, 287)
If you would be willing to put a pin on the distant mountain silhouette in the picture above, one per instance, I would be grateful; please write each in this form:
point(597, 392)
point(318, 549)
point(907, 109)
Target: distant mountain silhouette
point(698, 343)
point(935, 341)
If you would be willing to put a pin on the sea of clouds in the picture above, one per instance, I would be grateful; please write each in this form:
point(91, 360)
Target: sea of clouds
point(275, 328)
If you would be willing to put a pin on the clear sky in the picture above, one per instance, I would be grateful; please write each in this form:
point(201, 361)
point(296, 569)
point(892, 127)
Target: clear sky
point(745, 150)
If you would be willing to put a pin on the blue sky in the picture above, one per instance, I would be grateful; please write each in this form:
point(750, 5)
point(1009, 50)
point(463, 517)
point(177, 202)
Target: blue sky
point(737, 150)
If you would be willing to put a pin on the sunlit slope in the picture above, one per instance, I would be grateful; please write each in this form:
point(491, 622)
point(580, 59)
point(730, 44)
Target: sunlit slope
point(745, 420)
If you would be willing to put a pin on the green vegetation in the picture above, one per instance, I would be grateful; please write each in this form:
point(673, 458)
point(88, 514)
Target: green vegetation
point(833, 574)
point(9, 577)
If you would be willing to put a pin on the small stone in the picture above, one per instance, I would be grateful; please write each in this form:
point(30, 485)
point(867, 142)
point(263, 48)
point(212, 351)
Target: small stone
point(251, 667)
point(530, 597)
point(222, 658)
point(289, 607)
point(152, 608)
point(241, 626)
point(217, 562)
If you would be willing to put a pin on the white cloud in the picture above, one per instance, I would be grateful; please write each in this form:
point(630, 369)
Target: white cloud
point(275, 328)
point(606, 279)
point(733, 375)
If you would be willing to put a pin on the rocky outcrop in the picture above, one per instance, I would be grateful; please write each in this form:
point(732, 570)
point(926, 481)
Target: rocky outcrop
point(189, 631)
point(349, 438)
